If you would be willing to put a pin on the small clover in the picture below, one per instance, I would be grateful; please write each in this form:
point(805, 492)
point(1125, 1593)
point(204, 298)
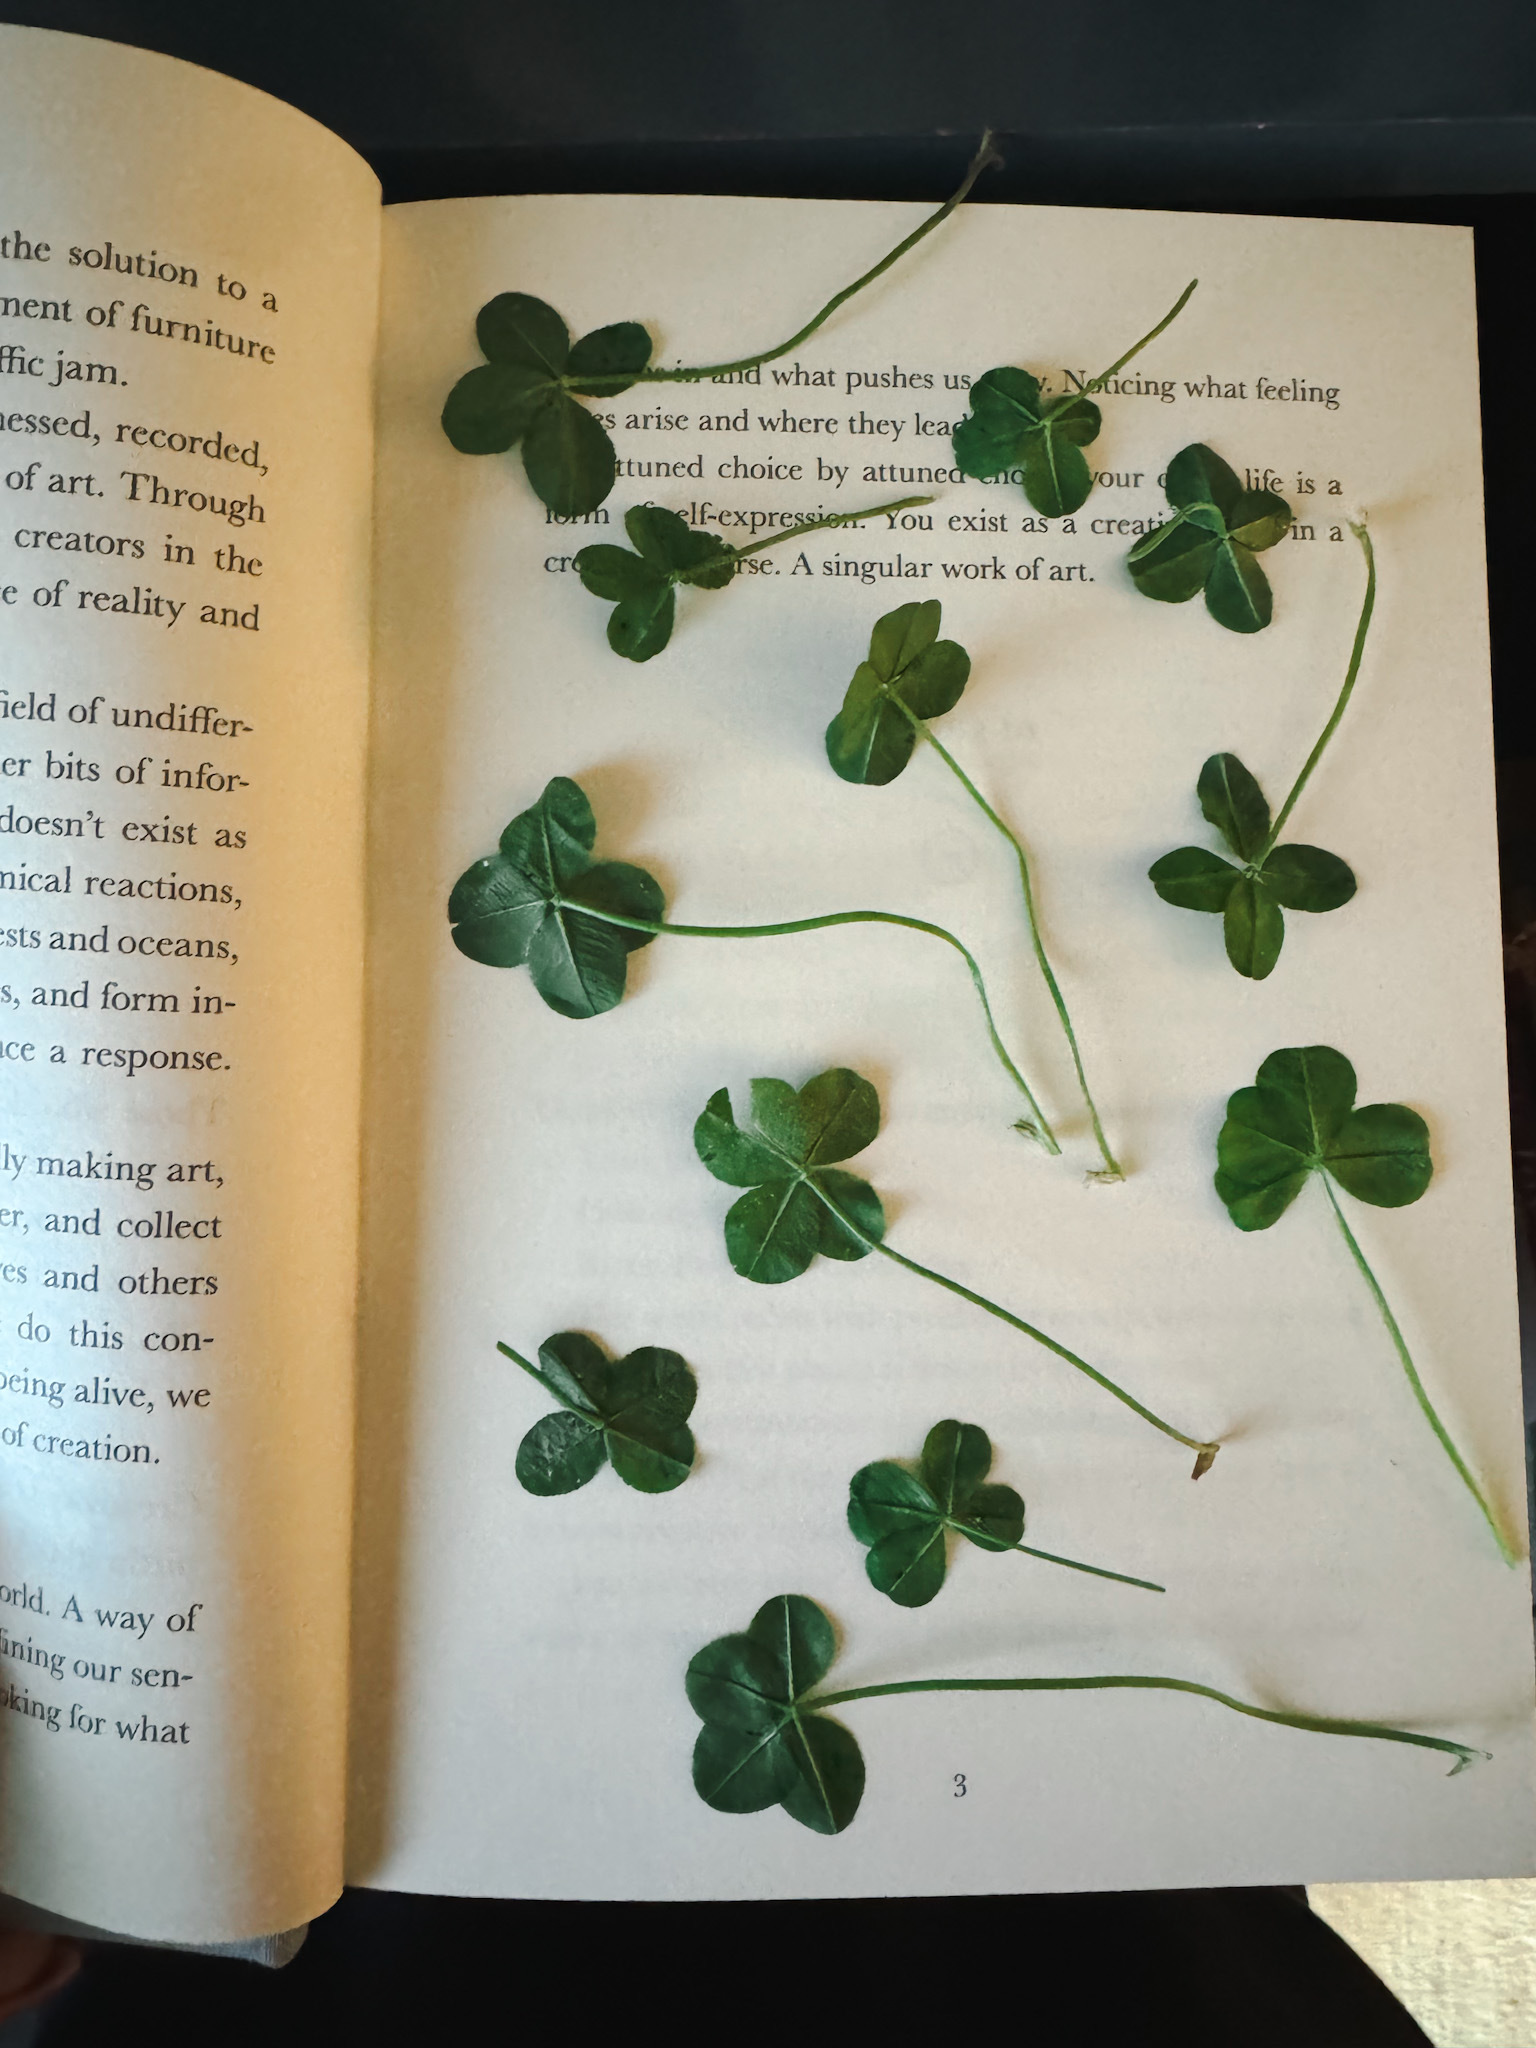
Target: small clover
point(631, 1413)
point(1299, 1119)
point(907, 1518)
point(768, 1739)
point(760, 1746)
point(910, 675)
point(1013, 426)
point(641, 586)
point(1211, 541)
point(1250, 899)
point(799, 1201)
point(544, 903)
point(526, 389)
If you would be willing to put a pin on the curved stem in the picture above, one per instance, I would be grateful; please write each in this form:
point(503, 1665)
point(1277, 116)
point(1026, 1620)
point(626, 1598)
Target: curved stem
point(1098, 383)
point(1506, 1550)
point(820, 525)
point(1040, 1128)
point(985, 156)
point(1312, 1724)
point(1357, 528)
point(1097, 1571)
point(1113, 1171)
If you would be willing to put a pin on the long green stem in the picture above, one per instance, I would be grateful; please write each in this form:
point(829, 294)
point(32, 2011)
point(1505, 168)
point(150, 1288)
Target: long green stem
point(1312, 1724)
point(985, 156)
point(1098, 383)
point(1039, 1128)
point(1112, 1170)
point(830, 519)
point(1072, 1565)
point(1361, 631)
point(1509, 1554)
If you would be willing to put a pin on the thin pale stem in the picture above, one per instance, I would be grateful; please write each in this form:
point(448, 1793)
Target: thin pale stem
point(1095, 1570)
point(1113, 1170)
point(985, 156)
point(773, 540)
point(1041, 1128)
point(1509, 1554)
point(1312, 1724)
point(1098, 383)
point(1357, 528)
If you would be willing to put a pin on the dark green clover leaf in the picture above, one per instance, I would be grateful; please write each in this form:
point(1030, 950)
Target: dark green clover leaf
point(761, 1745)
point(524, 392)
point(799, 1204)
point(1250, 899)
point(1298, 1119)
point(544, 903)
point(632, 1411)
point(641, 586)
point(905, 1518)
point(1210, 542)
point(1010, 426)
point(911, 675)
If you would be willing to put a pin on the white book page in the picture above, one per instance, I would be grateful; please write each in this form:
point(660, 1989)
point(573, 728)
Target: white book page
point(188, 292)
point(521, 1724)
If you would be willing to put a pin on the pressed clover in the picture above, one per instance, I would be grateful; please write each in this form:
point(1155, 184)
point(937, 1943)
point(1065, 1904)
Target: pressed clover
point(769, 1740)
point(906, 1518)
point(1011, 425)
point(1211, 542)
point(910, 678)
point(630, 1412)
point(1300, 1119)
point(800, 1202)
point(526, 390)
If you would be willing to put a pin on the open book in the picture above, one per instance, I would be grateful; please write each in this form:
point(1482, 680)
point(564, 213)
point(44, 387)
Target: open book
point(281, 1165)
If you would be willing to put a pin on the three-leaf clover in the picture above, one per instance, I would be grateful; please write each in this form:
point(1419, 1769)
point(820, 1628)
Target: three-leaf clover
point(760, 1745)
point(910, 675)
point(641, 586)
point(1211, 541)
point(905, 1517)
point(1300, 1119)
point(1250, 899)
point(1012, 425)
point(630, 1412)
point(798, 1201)
point(526, 391)
point(539, 903)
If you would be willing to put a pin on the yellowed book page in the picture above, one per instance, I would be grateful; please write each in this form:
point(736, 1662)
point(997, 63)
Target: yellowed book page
point(188, 292)
point(521, 1714)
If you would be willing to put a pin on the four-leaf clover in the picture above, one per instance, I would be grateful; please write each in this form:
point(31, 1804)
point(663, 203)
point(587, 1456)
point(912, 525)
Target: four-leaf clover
point(526, 389)
point(760, 1746)
point(1011, 426)
point(642, 586)
point(1211, 541)
point(538, 903)
point(906, 1517)
point(798, 1203)
point(631, 1413)
point(1251, 899)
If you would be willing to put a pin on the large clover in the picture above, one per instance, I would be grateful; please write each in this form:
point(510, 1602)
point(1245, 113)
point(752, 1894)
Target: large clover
point(526, 389)
point(1211, 541)
point(759, 1745)
point(538, 903)
point(798, 1203)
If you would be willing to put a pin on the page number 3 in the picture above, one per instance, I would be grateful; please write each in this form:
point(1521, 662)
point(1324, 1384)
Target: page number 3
point(959, 1784)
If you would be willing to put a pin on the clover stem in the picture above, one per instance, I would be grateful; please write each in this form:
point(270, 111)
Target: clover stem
point(1042, 1129)
point(1506, 1550)
point(1097, 1571)
point(1312, 1724)
point(820, 525)
point(533, 1372)
point(1112, 1167)
point(986, 155)
point(1357, 528)
point(1098, 383)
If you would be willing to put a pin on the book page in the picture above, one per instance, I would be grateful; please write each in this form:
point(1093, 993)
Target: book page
point(188, 290)
point(521, 1720)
